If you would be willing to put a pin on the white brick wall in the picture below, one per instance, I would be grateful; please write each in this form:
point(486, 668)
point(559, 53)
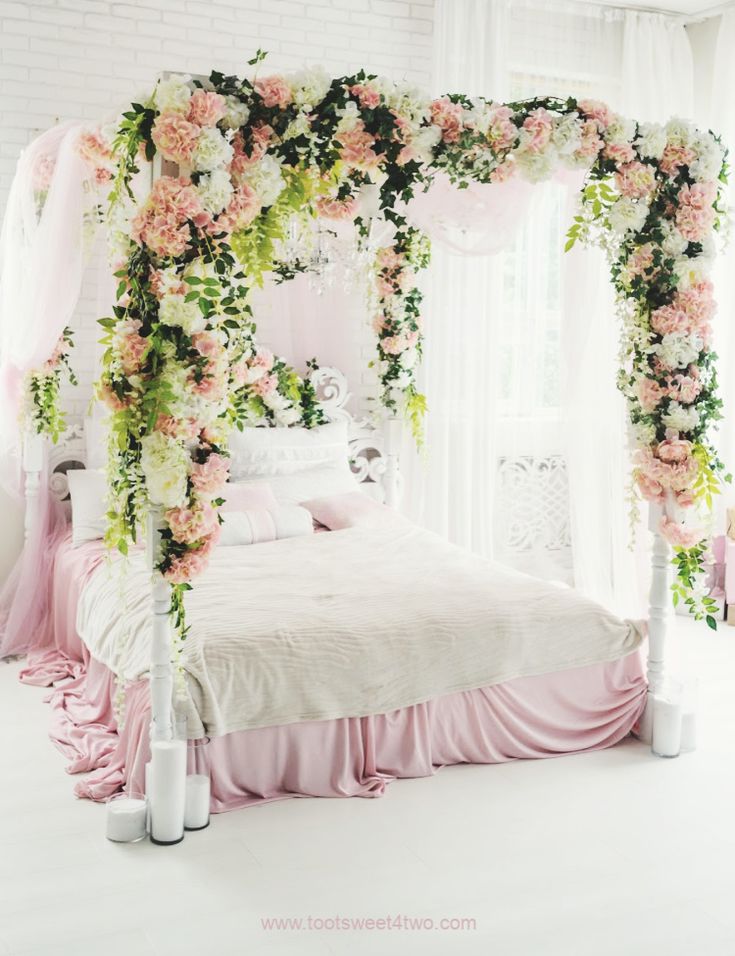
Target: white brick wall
point(64, 59)
point(87, 59)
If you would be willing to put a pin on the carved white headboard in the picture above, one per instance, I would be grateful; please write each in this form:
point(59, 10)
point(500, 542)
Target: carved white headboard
point(367, 455)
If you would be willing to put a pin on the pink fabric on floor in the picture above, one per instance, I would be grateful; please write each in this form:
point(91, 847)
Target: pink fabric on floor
point(587, 708)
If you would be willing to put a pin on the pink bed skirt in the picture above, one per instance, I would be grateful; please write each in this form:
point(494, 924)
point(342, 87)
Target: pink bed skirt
point(587, 708)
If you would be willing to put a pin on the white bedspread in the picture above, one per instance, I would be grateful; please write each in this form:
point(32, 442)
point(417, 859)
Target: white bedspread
point(347, 624)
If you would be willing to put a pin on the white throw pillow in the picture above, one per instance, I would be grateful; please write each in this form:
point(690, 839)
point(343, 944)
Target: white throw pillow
point(312, 483)
point(284, 451)
point(254, 527)
point(88, 490)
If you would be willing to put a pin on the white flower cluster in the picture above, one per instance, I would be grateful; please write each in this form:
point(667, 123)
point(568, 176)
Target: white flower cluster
point(175, 310)
point(211, 151)
point(165, 465)
point(677, 350)
point(173, 94)
point(309, 86)
point(237, 113)
point(267, 179)
point(682, 418)
point(215, 190)
point(651, 140)
point(626, 216)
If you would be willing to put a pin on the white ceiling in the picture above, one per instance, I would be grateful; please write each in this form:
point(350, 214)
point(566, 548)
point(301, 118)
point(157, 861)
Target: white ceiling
point(685, 7)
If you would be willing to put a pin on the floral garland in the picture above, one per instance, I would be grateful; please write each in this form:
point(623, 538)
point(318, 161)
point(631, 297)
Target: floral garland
point(183, 366)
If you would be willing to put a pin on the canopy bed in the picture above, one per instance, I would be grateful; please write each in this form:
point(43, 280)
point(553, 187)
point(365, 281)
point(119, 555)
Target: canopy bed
point(374, 643)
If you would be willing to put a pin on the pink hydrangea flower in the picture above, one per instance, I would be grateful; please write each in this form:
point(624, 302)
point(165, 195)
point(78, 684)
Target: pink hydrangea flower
point(208, 477)
point(539, 126)
point(161, 223)
point(184, 429)
point(669, 319)
point(356, 148)
point(367, 95)
point(192, 524)
point(242, 161)
point(274, 91)
point(206, 108)
point(591, 143)
point(675, 157)
point(649, 393)
point(678, 535)
point(339, 209)
point(620, 153)
point(596, 110)
point(265, 385)
point(695, 212)
point(502, 131)
point(448, 117)
point(192, 563)
point(684, 388)
point(635, 180)
point(674, 450)
point(175, 137)
point(131, 346)
point(243, 207)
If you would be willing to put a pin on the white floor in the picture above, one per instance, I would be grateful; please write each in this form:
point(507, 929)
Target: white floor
point(604, 853)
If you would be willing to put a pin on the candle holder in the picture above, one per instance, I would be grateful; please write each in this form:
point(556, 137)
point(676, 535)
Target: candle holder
point(667, 711)
point(198, 785)
point(126, 818)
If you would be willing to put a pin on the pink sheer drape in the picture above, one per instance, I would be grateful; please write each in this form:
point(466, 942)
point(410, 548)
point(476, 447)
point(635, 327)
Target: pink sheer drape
point(46, 233)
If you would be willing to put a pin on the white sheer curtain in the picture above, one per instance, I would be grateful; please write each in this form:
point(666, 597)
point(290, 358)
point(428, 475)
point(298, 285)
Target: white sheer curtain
point(450, 488)
point(521, 348)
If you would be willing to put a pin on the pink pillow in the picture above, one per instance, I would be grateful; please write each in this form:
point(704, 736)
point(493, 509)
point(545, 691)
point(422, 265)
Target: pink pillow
point(351, 509)
point(248, 496)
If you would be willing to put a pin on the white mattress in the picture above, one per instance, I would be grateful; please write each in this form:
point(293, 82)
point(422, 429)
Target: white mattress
point(347, 624)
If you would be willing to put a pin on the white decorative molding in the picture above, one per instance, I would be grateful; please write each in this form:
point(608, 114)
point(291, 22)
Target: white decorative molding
point(532, 510)
point(368, 458)
point(68, 453)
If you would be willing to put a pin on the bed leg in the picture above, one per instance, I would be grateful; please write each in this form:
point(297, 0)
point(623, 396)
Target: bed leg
point(659, 611)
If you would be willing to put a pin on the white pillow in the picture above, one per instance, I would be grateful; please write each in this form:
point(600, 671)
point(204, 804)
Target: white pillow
point(253, 527)
point(284, 451)
point(88, 490)
point(312, 483)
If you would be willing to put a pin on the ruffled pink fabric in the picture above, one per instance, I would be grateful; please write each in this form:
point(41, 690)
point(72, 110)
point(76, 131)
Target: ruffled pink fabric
point(587, 708)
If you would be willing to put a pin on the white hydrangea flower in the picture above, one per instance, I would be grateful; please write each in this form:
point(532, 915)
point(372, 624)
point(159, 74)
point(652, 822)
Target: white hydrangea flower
point(285, 417)
point(621, 130)
point(349, 116)
point(424, 141)
point(680, 417)
point(678, 350)
point(297, 127)
point(215, 190)
point(651, 140)
point(692, 271)
point(310, 86)
point(626, 216)
point(536, 167)
point(165, 465)
point(266, 179)
point(236, 114)
point(407, 360)
point(172, 95)
point(174, 310)
point(673, 243)
point(567, 135)
point(679, 132)
point(643, 434)
point(707, 165)
point(212, 150)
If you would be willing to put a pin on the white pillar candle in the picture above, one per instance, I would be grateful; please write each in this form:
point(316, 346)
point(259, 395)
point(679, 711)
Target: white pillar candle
point(167, 796)
point(666, 727)
point(196, 815)
point(126, 818)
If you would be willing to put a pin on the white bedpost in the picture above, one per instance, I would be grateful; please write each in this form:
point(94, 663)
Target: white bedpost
point(659, 611)
point(32, 466)
point(161, 680)
point(392, 432)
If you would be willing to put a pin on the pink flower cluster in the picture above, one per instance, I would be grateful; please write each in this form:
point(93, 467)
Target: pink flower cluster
point(242, 161)
point(206, 108)
point(193, 562)
point(212, 383)
point(674, 157)
point(678, 535)
point(250, 369)
point(97, 154)
point(396, 344)
point(191, 524)
point(669, 467)
point(366, 94)
point(596, 110)
point(695, 212)
point(243, 207)
point(448, 116)
point(162, 222)
point(274, 91)
point(502, 131)
point(539, 125)
point(690, 312)
point(209, 477)
point(356, 148)
point(338, 209)
point(131, 346)
point(635, 179)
